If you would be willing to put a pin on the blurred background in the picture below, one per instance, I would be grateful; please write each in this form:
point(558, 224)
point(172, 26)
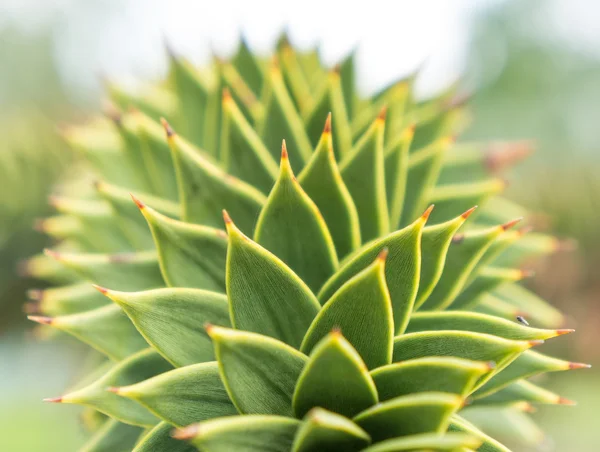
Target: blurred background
point(534, 66)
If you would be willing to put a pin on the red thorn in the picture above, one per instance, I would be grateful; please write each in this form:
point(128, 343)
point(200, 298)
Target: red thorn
point(511, 223)
point(226, 217)
point(100, 289)
point(565, 401)
point(327, 128)
point(336, 331)
point(226, 95)
point(426, 214)
point(382, 113)
point(535, 343)
point(40, 319)
point(383, 254)
point(564, 331)
point(53, 400)
point(113, 389)
point(579, 366)
point(284, 152)
point(186, 433)
point(168, 129)
point(208, 327)
point(137, 202)
point(468, 213)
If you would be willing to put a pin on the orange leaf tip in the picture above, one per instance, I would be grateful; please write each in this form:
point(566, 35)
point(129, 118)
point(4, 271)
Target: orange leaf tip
point(186, 433)
point(284, 152)
point(168, 129)
point(383, 254)
point(327, 128)
point(535, 343)
point(564, 331)
point(336, 331)
point(426, 214)
point(226, 95)
point(113, 389)
point(53, 254)
point(226, 218)
point(579, 366)
point(137, 202)
point(382, 113)
point(40, 319)
point(468, 213)
point(491, 365)
point(565, 401)
point(53, 400)
point(506, 226)
point(209, 328)
point(100, 289)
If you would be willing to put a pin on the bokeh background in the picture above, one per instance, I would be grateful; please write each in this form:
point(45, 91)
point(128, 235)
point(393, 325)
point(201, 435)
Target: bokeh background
point(534, 66)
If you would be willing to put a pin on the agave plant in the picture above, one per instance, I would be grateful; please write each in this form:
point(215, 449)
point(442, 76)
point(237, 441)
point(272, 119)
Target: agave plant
point(336, 310)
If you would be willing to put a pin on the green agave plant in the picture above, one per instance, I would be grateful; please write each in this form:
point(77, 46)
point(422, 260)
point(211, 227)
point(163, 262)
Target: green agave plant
point(335, 311)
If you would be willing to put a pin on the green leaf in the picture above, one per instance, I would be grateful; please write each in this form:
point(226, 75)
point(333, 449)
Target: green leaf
point(488, 279)
point(363, 172)
point(205, 189)
point(401, 270)
point(125, 271)
point(295, 79)
point(334, 378)
point(281, 121)
point(478, 323)
point(438, 374)
point(323, 430)
point(258, 372)
point(137, 367)
point(330, 99)
point(183, 396)
point(169, 318)
point(460, 344)
point(107, 329)
point(409, 415)
point(249, 66)
point(242, 434)
point(48, 269)
point(241, 93)
point(243, 153)
point(265, 295)
point(160, 439)
point(522, 391)
point(462, 257)
point(527, 365)
point(322, 181)
point(396, 173)
point(291, 227)
point(362, 309)
point(459, 424)
point(435, 242)
point(530, 305)
point(113, 436)
point(64, 300)
point(189, 255)
point(452, 442)
point(348, 76)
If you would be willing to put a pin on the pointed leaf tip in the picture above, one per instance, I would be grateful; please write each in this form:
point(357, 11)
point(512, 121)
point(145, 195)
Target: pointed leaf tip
point(468, 213)
point(506, 226)
point(382, 113)
point(137, 202)
point(100, 289)
point(53, 254)
point(226, 218)
point(579, 366)
point(186, 433)
point(383, 254)
point(168, 129)
point(226, 95)
point(426, 214)
point(562, 331)
point(40, 319)
point(113, 389)
point(565, 401)
point(53, 400)
point(327, 128)
point(535, 343)
point(284, 152)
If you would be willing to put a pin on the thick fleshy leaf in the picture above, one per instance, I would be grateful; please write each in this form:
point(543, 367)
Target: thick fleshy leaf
point(259, 373)
point(243, 153)
point(294, 76)
point(396, 173)
point(125, 271)
point(334, 378)
point(282, 121)
point(189, 255)
point(323, 430)
point(427, 412)
point(530, 305)
point(249, 66)
point(183, 396)
point(330, 99)
point(169, 318)
point(522, 391)
point(138, 367)
point(160, 439)
point(363, 171)
point(402, 269)
point(438, 374)
point(459, 424)
point(107, 329)
point(478, 323)
point(423, 170)
point(205, 189)
point(265, 295)
point(488, 279)
point(451, 442)
point(242, 434)
point(291, 227)
point(65, 300)
point(46, 268)
point(348, 76)
point(435, 242)
point(113, 436)
point(527, 365)
point(460, 344)
point(241, 93)
point(362, 309)
point(322, 181)
point(462, 257)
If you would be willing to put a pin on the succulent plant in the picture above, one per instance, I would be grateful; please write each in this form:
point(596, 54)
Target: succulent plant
point(336, 310)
